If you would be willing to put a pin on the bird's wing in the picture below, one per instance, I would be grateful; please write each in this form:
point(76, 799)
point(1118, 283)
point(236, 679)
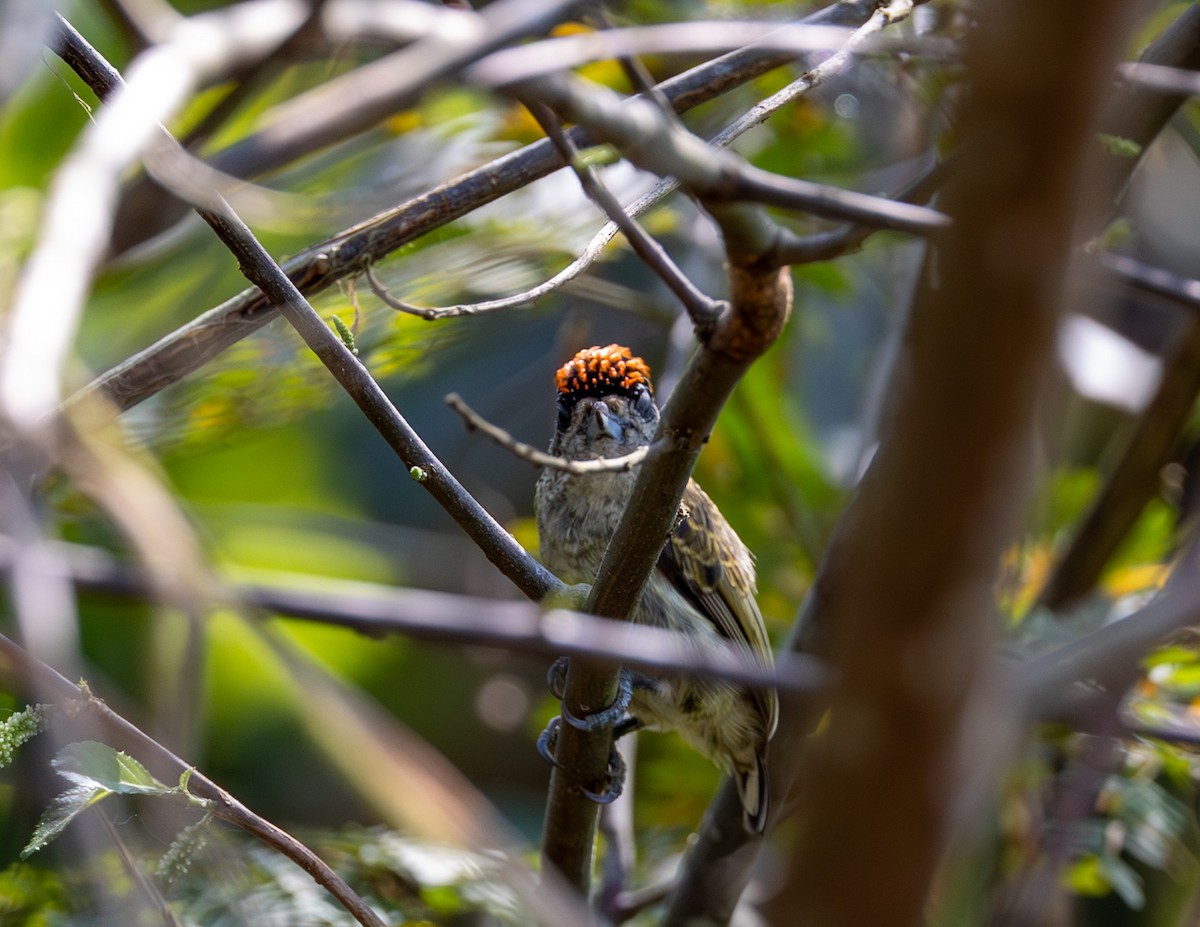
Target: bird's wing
point(721, 588)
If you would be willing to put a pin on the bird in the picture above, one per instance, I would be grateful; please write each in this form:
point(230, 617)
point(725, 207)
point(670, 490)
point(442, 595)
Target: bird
point(702, 586)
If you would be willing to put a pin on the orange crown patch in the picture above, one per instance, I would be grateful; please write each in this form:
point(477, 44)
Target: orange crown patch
point(596, 370)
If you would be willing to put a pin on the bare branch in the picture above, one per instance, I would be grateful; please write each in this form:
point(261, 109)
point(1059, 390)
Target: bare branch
point(702, 309)
point(447, 618)
point(651, 141)
point(348, 253)
point(789, 248)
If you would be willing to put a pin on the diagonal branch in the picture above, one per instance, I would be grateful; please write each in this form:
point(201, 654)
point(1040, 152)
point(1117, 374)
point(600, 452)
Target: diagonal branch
point(48, 683)
point(718, 863)
point(500, 547)
point(346, 254)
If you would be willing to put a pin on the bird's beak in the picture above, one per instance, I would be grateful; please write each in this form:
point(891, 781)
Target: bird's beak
point(606, 421)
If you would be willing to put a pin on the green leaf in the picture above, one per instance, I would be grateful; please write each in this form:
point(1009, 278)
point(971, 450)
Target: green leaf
point(61, 812)
point(98, 766)
point(95, 771)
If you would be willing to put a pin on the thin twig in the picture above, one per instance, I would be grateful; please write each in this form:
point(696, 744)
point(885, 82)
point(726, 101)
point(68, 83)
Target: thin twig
point(385, 296)
point(789, 248)
point(703, 310)
point(498, 545)
point(531, 454)
point(46, 682)
point(346, 254)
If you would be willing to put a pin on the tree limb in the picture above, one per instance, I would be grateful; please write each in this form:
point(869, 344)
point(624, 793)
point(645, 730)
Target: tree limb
point(903, 602)
point(346, 254)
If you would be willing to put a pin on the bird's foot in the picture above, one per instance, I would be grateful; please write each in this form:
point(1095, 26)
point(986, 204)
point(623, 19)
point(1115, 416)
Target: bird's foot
point(614, 775)
point(556, 681)
point(556, 678)
point(612, 717)
point(605, 717)
point(547, 742)
point(614, 781)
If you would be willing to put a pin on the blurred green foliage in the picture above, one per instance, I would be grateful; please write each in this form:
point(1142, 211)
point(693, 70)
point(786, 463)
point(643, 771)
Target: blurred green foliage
point(282, 478)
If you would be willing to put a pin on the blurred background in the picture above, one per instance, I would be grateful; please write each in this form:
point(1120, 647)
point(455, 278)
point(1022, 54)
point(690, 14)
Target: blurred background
point(285, 482)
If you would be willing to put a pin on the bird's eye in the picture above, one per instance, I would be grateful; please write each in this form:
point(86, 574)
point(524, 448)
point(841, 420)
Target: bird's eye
point(643, 403)
point(564, 412)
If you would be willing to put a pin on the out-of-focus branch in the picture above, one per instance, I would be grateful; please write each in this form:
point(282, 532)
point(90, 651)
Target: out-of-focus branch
point(903, 602)
point(50, 294)
point(517, 626)
point(415, 788)
point(499, 546)
point(1139, 275)
point(1137, 114)
point(1134, 480)
point(45, 682)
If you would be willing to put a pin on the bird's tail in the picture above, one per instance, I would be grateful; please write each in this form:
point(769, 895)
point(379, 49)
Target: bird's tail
point(752, 789)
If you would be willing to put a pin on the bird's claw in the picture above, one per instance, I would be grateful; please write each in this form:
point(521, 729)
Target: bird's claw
point(556, 678)
point(605, 717)
point(613, 716)
point(548, 740)
point(614, 781)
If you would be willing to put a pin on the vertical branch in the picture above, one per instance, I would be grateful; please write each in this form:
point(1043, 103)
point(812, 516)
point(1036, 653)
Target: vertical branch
point(761, 301)
point(904, 602)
